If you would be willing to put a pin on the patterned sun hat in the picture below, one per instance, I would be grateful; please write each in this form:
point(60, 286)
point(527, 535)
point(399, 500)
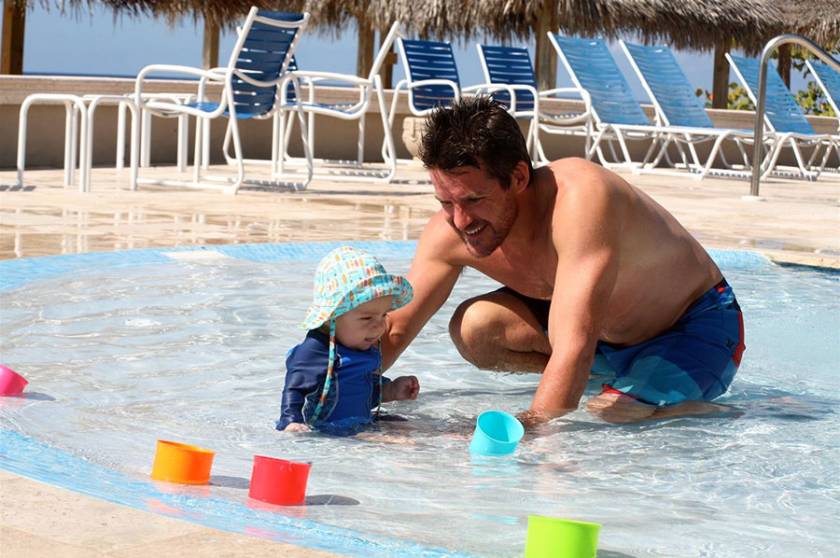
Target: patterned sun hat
point(347, 278)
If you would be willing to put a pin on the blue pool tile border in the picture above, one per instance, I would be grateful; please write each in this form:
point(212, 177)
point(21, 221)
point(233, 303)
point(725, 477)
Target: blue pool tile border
point(18, 272)
point(59, 468)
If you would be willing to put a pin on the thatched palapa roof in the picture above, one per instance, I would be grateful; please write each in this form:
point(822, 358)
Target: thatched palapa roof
point(819, 20)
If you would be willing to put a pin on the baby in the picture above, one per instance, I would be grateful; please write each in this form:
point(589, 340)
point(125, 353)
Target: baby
point(334, 378)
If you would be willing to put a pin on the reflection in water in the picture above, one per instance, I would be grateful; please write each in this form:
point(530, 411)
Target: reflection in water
point(72, 230)
point(229, 482)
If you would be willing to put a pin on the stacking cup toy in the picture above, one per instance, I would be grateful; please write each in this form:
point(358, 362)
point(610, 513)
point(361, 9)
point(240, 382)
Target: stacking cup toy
point(182, 463)
point(278, 481)
point(11, 383)
point(550, 537)
point(496, 433)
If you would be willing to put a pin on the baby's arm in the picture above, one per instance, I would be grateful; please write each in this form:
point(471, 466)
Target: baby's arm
point(304, 371)
point(294, 396)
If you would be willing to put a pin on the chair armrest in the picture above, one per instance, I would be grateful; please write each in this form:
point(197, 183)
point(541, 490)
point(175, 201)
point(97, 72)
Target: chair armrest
point(204, 75)
point(306, 75)
point(310, 78)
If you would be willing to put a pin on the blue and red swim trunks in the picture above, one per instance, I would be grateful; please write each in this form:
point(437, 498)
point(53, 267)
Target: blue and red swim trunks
point(694, 360)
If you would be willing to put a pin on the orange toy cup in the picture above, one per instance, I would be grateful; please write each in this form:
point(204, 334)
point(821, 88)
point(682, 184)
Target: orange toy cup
point(11, 383)
point(278, 481)
point(182, 463)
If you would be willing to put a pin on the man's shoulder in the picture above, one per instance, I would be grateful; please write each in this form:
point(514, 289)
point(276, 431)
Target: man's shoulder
point(580, 183)
point(440, 241)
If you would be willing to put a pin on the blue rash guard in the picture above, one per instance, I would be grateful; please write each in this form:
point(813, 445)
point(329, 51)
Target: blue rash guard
point(355, 390)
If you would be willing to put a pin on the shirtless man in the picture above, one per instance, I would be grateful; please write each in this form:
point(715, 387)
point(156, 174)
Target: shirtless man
point(598, 277)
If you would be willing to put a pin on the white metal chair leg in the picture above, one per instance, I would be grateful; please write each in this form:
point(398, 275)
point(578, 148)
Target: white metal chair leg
point(360, 142)
point(68, 144)
point(74, 142)
point(275, 142)
point(237, 149)
point(388, 140)
point(205, 145)
point(120, 155)
point(183, 131)
point(146, 138)
point(199, 150)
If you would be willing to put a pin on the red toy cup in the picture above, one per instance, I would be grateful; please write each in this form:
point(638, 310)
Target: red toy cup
point(11, 383)
point(278, 481)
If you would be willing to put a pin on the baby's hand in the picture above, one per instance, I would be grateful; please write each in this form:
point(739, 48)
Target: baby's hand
point(296, 427)
point(401, 389)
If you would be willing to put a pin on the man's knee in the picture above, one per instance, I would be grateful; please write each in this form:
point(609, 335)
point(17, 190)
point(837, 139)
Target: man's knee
point(472, 329)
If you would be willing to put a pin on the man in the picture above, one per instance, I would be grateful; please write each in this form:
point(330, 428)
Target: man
point(597, 277)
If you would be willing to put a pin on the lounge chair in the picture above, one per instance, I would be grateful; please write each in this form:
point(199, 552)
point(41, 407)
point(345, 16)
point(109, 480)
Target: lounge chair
point(619, 117)
point(254, 87)
point(431, 78)
point(828, 80)
point(512, 66)
point(784, 119)
point(367, 88)
point(679, 109)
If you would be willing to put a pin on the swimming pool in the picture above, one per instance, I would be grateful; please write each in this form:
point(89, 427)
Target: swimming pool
point(124, 348)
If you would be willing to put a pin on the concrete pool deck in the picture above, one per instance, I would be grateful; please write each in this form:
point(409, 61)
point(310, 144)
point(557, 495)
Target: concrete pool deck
point(799, 222)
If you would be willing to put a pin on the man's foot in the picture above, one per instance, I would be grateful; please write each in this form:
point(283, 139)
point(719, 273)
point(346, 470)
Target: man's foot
point(401, 389)
point(619, 408)
point(622, 409)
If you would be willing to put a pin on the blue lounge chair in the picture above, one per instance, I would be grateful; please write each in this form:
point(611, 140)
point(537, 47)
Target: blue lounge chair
point(617, 116)
point(677, 106)
point(828, 80)
point(783, 118)
point(253, 87)
point(511, 66)
point(431, 77)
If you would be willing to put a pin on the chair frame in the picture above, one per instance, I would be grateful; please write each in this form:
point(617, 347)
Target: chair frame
point(368, 88)
point(832, 102)
point(577, 124)
point(691, 136)
point(791, 138)
point(225, 76)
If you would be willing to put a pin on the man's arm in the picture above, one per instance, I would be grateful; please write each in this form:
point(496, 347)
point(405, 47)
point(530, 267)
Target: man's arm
point(586, 232)
point(432, 276)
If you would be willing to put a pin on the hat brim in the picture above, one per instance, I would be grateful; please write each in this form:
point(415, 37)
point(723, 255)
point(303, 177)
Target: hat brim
point(364, 291)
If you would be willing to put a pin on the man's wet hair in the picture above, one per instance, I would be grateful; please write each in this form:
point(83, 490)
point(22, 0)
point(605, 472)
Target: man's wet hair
point(475, 132)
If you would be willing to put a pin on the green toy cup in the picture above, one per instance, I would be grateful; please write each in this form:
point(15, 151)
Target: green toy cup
point(551, 537)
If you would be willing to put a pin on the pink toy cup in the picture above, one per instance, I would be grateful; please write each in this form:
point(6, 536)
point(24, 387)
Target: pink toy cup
point(278, 481)
point(11, 383)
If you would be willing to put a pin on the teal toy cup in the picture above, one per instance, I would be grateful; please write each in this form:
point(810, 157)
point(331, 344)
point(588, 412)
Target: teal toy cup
point(551, 537)
point(496, 433)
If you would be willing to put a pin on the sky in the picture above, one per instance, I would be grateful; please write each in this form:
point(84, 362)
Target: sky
point(93, 42)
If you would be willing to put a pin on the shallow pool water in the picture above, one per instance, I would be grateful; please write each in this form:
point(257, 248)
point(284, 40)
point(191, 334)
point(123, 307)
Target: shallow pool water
point(193, 350)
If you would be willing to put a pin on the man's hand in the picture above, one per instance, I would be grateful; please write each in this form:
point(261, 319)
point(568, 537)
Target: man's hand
point(401, 389)
point(297, 427)
point(530, 419)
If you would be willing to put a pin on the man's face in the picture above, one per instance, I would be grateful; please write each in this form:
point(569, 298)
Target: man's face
point(476, 206)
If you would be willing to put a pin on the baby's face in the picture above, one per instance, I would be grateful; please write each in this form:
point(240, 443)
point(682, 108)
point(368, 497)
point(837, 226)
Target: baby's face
point(362, 327)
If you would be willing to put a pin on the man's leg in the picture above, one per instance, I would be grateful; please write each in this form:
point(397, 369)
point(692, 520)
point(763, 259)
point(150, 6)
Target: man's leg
point(497, 331)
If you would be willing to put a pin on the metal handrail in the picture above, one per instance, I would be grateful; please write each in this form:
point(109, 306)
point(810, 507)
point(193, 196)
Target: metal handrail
point(771, 46)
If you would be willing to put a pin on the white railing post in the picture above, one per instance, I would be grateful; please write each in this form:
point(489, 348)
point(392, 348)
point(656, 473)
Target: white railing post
point(758, 134)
